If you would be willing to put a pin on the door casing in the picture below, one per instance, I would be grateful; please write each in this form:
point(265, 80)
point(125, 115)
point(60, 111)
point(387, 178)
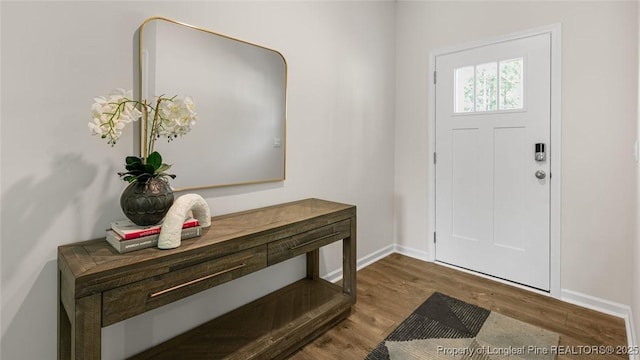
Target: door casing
point(555, 150)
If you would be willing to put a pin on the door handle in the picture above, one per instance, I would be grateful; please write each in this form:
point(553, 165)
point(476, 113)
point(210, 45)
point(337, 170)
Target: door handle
point(541, 174)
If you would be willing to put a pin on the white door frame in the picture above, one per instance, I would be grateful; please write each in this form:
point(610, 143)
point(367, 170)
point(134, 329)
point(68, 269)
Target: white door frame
point(555, 151)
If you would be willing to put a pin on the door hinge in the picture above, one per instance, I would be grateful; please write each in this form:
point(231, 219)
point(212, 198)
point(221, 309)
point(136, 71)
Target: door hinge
point(434, 237)
point(435, 78)
point(435, 157)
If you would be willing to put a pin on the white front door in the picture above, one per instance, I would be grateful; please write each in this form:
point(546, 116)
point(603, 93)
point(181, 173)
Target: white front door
point(493, 113)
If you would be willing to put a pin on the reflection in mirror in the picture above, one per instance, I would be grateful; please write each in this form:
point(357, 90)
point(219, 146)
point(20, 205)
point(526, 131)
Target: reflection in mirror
point(239, 90)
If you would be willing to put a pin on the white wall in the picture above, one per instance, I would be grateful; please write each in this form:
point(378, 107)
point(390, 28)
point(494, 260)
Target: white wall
point(599, 98)
point(635, 303)
point(59, 185)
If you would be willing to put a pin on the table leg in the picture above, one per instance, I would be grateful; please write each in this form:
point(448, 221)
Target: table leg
point(313, 264)
point(349, 263)
point(86, 328)
point(64, 333)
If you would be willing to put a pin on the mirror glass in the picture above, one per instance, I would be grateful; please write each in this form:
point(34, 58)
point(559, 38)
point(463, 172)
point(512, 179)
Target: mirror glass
point(239, 91)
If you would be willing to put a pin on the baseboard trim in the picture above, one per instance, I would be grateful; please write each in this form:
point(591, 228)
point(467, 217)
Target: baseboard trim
point(631, 334)
point(594, 303)
point(362, 263)
point(414, 253)
point(608, 307)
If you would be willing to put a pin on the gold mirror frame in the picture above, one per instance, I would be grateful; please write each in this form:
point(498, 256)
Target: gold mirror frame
point(226, 156)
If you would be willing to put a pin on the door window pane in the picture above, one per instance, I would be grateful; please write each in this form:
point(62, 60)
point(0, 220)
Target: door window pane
point(511, 84)
point(487, 87)
point(464, 83)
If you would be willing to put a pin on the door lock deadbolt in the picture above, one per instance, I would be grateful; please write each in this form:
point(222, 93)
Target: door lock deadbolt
point(541, 155)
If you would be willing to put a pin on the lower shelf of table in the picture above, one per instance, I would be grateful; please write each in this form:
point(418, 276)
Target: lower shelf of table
point(271, 327)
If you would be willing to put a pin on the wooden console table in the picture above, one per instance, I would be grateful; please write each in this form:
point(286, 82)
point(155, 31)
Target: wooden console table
point(99, 287)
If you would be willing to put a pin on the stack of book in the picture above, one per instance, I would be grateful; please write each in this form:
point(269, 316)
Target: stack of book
point(126, 236)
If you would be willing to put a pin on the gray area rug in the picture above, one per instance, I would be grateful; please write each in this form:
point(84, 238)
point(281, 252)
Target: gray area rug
point(447, 328)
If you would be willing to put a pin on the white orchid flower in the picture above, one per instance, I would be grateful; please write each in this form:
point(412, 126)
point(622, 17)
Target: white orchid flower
point(175, 117)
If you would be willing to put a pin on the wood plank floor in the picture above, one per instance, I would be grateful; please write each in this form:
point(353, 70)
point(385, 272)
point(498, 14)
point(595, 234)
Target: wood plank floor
point(390, 289)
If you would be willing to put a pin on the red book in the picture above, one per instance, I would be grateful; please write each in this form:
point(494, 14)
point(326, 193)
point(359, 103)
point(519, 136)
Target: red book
point(128, 230)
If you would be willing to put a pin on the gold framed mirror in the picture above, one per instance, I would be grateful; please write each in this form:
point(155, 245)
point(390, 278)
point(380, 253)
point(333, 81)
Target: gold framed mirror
point(240, 95)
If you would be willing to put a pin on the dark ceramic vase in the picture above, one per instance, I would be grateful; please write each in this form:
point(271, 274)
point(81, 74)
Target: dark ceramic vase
point(147, 203)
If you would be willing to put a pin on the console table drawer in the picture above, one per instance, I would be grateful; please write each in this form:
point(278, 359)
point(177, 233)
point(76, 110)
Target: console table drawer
point(135, 298)
point(287, 248)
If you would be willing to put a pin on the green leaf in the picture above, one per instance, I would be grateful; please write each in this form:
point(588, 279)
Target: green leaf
point(143, 170)
point(149, 169)
point(133, 160)
point(134, 167)
point(163, 168)
point(154, 159)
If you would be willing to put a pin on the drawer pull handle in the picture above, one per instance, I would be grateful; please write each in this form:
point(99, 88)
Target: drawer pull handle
point(314, 240)
point(161, 292)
